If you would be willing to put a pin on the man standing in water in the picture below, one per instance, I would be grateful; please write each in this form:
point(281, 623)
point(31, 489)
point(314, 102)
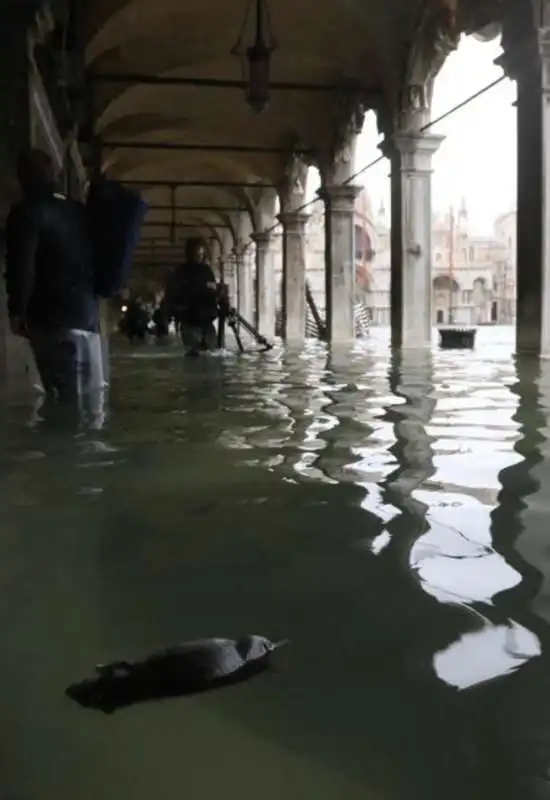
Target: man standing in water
point(191, 298)
point(50, 282)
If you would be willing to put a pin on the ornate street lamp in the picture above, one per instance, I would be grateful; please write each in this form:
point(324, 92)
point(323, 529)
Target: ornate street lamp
point(256, 58)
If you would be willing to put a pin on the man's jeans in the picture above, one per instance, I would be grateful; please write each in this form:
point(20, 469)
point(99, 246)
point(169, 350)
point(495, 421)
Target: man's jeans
point(198, 338)
point(70, 364)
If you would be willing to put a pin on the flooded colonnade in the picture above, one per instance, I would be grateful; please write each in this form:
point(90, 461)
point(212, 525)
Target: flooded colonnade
point(381, 507)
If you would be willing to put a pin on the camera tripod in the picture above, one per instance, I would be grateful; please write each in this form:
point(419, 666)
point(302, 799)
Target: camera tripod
point(234, 319)
point(230, 316)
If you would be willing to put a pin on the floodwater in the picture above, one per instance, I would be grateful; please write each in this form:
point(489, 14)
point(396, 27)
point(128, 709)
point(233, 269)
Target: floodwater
point(390, 517)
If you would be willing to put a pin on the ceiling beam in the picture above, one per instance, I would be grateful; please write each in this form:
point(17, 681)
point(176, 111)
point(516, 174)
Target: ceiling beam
point(222, 83)
point(215, 148)
point(152, 243)
point(214, 210)
point(140, 268)
point(212, 184)
point(169, 224)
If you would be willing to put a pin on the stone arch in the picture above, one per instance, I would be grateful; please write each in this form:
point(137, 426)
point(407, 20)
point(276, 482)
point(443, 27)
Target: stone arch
point(445, 283)
point(479, 285)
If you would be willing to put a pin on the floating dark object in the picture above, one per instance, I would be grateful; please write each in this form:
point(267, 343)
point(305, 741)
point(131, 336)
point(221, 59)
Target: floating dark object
point(457, 338)
point(186, 669)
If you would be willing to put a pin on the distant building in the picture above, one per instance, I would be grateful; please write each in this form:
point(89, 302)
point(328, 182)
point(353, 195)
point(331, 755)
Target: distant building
point(474, 277)
point(505, 232)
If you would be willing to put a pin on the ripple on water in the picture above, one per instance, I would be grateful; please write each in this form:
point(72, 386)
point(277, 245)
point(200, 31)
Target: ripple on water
point(368, 503)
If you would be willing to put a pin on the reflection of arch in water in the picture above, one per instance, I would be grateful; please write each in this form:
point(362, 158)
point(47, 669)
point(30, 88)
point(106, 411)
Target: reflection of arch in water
point(410, 378)
point(525, 546)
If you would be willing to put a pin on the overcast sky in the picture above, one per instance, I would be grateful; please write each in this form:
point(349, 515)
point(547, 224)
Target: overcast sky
point(477, 160)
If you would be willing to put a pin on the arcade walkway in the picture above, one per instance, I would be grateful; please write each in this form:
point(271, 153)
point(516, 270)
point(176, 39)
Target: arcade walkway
point(385, 511)
point(219, 130)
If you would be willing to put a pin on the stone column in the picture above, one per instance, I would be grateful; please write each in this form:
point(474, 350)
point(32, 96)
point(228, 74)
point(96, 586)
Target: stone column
point(245, 302)
point(265, 285)
point(294, 276)
point(528, 62)
point(229, 276)
point(411, 155)
point(17, 368)
point(340, 260)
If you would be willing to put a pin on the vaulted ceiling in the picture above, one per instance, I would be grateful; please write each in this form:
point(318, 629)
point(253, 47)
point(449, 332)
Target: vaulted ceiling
point(233, 153)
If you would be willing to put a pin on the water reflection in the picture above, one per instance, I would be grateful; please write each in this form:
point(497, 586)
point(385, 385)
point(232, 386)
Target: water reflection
point(520, 519)
point(88, 412)
point(387, 515)
point(490, 652)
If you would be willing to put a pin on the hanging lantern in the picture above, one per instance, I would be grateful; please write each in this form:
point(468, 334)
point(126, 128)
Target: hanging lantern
point(256, 58)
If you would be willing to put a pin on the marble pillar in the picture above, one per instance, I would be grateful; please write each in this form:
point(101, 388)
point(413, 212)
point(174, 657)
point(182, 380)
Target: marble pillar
point(294, 276)
point(17, 367)
point(265, 285)
point(340, 260)
point(533, 200)
point(245, 288)
point(411, 153)
point(228, 275)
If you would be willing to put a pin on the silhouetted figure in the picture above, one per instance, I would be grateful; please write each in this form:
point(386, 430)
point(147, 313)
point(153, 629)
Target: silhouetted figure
point(136, 321)
point(50, 282)
point(161, 321)
point(191, 298)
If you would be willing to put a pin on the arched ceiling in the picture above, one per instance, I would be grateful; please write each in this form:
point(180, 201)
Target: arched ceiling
point(233, 155)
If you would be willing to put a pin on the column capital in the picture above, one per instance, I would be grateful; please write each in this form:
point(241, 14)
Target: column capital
point(341, 196)
point(238, 249)
point(526, 41)
point(293, 221)
point(261, 239)
point(416, 149)
point(526, 59)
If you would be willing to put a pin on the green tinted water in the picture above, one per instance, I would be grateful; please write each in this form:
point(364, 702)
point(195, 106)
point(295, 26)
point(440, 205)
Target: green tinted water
point(389, 517)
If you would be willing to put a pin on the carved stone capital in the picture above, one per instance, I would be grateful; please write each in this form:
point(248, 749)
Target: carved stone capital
point(408, 106)
point(262, 240)
point(340, 198)
point(292, 187)
point(238, 250)
point(415, 149)
point(348, 116)
point(526, 42)
point(293, 222)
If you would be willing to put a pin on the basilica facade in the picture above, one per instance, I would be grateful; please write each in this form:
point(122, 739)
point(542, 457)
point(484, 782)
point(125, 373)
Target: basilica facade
point(474, 277)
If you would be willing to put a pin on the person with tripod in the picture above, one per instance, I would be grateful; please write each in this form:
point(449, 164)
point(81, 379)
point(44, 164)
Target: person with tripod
point(191, 299)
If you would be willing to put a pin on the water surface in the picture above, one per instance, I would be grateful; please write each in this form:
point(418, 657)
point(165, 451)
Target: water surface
point(388, 516)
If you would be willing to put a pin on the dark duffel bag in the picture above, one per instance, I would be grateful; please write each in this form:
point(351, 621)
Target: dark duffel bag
point(115, 218)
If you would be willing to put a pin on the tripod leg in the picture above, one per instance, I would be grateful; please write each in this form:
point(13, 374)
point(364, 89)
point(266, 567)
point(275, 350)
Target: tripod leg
point(253, 332)
point(237, 335)
point(221, 331)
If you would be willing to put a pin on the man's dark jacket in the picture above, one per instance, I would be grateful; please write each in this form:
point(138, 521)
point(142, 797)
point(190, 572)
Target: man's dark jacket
point(188, 297)
point(49, 273)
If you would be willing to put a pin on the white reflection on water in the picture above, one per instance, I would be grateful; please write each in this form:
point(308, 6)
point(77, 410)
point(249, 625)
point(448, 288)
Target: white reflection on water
point(443, 475)
point(455, 557)
point(491, 652)
point(170, 538)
